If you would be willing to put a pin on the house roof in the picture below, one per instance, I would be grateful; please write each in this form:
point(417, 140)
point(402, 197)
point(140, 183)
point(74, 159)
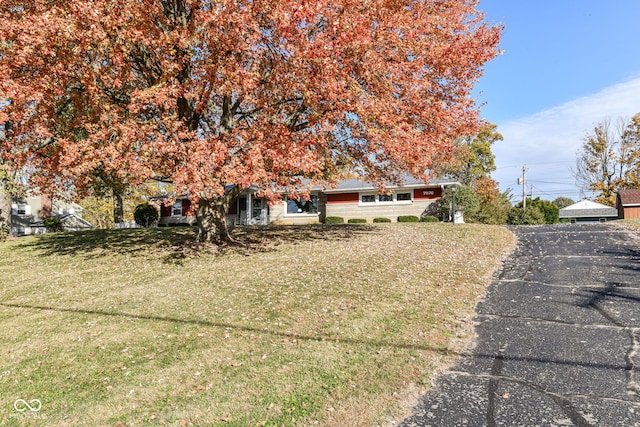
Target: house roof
point(354, 184)
point(588, 209)
point(345, 185)
point(629, 197)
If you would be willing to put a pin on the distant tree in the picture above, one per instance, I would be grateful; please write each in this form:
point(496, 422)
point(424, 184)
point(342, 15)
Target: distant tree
point(218, 96)
point(493, 205)
point(99, 207)
point(631, 138)
point(549, 209)
point(466, 201)
point(472, 166)
point(474, 158)
point(98, 211)
point(532, 215)
point(610, 158)
point(563, 202)
point(540, 210)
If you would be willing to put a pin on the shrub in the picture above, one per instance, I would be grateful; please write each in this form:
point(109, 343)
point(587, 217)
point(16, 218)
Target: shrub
point(357, 221)
point(334, 220)
point(4, 231)
point(408, 218)
point(532, 216)
point(53, 224)
point(145, 215)
point(430, 218)
point(381, 220)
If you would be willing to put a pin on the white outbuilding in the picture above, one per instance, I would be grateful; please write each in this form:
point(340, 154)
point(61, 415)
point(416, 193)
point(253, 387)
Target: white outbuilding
point(588, 211)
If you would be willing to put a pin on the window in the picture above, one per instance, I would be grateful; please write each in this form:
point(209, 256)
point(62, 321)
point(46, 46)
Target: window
point(368, 198)
point(21, 209)
point(176, 210)
point(386, 198)
point(302, 206)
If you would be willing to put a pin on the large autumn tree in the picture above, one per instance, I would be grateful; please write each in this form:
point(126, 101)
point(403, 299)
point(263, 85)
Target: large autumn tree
point(218, 95)
point(609, 159)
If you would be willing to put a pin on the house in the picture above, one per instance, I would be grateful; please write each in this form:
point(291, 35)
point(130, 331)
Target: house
point(588, 211)
point(628, 203)
point(28, 215)
point(351, 198)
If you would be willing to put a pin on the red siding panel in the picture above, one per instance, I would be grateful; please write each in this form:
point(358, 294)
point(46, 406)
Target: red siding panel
point(342, 198)
point(427, 193)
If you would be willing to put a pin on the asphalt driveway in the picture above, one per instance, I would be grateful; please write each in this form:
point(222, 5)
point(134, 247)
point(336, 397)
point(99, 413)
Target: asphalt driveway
point(557, 337)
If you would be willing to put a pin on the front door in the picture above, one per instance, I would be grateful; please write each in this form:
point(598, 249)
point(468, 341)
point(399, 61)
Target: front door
point(258, 212)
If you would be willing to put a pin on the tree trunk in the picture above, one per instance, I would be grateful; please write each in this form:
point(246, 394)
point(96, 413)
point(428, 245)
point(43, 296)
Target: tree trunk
point(118, 208)
point(212, 218)
point(5, 210)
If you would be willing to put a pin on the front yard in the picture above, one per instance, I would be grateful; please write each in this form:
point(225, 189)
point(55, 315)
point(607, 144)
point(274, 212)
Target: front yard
point(318, 325)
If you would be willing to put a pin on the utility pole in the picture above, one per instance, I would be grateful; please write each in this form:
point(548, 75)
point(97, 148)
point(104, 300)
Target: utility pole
point(522, 180)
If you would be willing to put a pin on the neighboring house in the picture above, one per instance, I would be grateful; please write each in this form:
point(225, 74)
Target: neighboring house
point(628, 203)
point(588, 211)
point(352, 198)
point(28, 215)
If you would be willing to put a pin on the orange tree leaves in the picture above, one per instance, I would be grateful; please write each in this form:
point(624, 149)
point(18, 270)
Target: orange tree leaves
point(211, 93)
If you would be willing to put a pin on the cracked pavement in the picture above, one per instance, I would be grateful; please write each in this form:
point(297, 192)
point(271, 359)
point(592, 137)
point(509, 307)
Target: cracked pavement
point(557, 337)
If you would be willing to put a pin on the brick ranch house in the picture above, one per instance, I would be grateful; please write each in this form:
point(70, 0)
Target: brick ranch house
point(352, 198)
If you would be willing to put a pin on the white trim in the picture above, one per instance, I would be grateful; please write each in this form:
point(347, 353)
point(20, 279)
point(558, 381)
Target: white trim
point(394, 198)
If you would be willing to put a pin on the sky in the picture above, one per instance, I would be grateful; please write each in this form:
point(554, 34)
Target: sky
point(566, 66)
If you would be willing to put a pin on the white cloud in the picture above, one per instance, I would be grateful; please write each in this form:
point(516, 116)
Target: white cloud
point(547, 142)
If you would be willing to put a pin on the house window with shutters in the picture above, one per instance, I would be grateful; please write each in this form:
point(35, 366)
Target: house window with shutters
point(176, 209)
point(21, 209)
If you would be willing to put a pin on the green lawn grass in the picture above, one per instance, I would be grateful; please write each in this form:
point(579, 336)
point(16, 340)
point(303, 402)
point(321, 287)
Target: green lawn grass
point(317, 325)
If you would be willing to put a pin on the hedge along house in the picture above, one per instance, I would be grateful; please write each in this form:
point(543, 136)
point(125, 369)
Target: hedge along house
point(351, 199)
point(628, 203)
point(355, 199)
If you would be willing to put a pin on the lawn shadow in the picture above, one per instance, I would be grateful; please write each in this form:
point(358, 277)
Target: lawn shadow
point(372, 343)
point(174, 245)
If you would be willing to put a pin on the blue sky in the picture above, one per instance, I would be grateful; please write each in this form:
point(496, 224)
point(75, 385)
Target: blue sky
point(567, 65)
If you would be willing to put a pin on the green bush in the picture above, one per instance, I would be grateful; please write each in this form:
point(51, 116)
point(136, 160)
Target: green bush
point(334, 220)
point(356, 221)
point(430, 218)
point(53, 224)
point(4, 231)
point(408, 218)
point(532, 216)
point(381, 220)
point(145, 215)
